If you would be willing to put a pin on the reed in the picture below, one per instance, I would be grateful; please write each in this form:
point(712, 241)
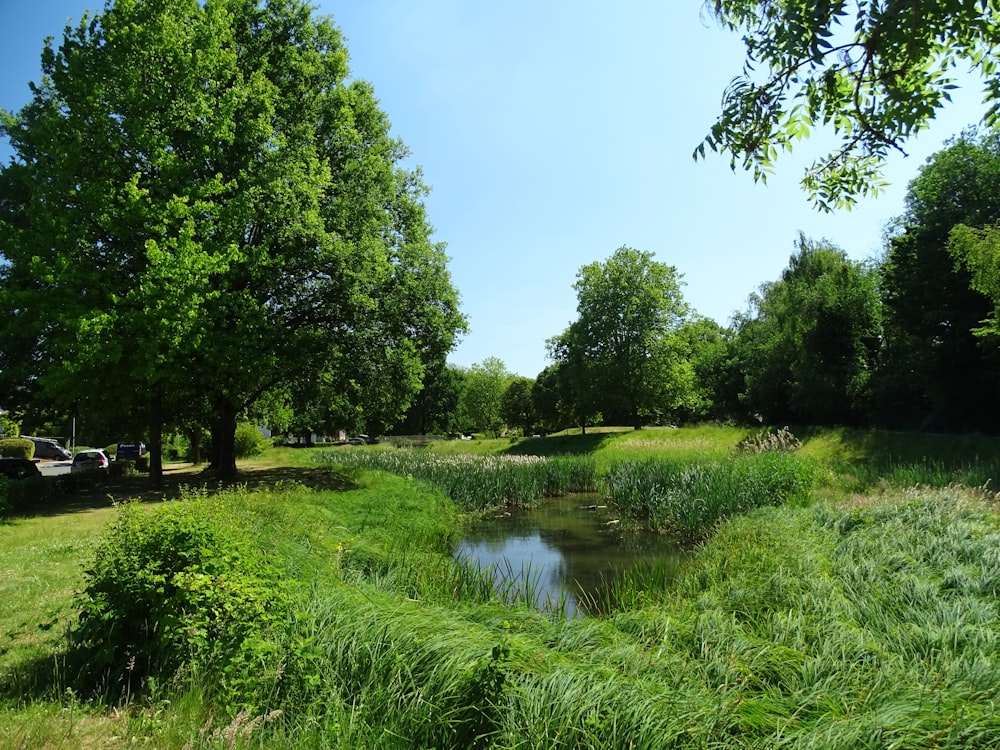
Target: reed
point(480, 482)
point(686, 499)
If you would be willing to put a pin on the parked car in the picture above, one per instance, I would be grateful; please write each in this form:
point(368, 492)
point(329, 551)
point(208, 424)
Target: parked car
point(89, 460)
point(18, 468)
point(356, 440)
point(49, 448)
point(129, 451)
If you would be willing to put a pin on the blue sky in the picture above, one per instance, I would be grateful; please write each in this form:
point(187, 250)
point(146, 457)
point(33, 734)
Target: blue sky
point(554, 133)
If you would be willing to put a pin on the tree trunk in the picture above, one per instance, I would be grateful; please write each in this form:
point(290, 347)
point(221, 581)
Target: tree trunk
point(156, 437)
point(194, 438)
point(224, 441)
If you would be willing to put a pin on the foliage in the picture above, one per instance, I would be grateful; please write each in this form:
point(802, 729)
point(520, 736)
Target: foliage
point(249, 441)
point(480, 401)
point(708, 347)
point(186, 585)
point(435, 410)
point(17, 448)
point(979, 251)
point(809, 345)
point(874, 72)
point(193, 181)
point(10, 424)
point(516, 406)
point(934, 370)
point(621, 354)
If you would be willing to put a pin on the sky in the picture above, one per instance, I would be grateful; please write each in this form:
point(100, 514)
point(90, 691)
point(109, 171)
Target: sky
point(553, 133)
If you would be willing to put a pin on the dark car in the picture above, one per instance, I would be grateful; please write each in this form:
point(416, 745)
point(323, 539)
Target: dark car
point(129, 451)
point(49, 448)
point(18, 468)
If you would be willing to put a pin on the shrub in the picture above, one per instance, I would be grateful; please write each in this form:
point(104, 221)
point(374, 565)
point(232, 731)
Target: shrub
point(181, 587)
point(17, 448)
point(249, 441)
point(123, 468)
point(32, 494)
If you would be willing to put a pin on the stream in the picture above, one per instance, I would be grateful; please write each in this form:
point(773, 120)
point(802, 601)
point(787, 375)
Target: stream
point(565, 550)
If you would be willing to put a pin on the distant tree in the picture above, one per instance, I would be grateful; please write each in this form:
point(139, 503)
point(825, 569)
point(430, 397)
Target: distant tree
point(875, 71)
point(935, 373)
point(546, 402)
point(572, 381)
point(516, 406)
point(809, 347)
point(485, 384)
point(622, 353)
point(435, 408)
point(708, 352)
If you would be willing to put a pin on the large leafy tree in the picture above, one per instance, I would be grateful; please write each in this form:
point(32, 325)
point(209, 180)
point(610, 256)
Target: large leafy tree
point(481, 399)
point(709, 354)
point(936, 372)
point(874, 71)
point(435, 408)
point(809, 346)
point(622, 351)
point(517, 409)
point(203, 204)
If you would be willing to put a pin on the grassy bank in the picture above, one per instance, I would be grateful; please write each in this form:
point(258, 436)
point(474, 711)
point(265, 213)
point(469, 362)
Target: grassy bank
point(865, 620)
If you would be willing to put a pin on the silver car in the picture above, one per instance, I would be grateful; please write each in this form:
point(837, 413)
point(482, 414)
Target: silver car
point(89, 460)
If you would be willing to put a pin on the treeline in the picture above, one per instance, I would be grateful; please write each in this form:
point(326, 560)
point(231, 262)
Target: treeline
point(908, 340)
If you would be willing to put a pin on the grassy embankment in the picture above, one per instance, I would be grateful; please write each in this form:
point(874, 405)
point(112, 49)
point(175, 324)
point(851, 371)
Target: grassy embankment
point(864, 619)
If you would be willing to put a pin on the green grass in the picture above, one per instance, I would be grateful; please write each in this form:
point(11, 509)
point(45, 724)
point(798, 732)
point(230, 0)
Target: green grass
point(866, 620)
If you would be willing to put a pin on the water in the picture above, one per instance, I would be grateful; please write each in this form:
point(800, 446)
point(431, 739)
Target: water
point(566, 547)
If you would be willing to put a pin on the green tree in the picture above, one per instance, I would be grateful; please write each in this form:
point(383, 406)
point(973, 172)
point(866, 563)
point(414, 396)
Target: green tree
point(810, 346)
point(621, 353)
point(516, 406)
point(435, 408)
point(876, 72)
point(979, 251)
point(545, 399)
point(709, 353)
point(935, 372)
point(203, 204)
point(485, 383)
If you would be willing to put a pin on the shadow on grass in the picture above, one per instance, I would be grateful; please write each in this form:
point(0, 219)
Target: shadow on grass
point(880, 448)
point(560, 445)
point(109, 491)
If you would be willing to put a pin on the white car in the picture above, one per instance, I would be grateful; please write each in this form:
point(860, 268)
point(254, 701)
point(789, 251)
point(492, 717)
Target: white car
point(89, 460)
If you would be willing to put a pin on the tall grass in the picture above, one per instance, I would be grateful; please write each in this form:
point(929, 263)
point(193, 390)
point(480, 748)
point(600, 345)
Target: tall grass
point(686, 498)
point(476, 483)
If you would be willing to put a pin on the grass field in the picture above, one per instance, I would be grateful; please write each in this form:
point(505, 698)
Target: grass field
point(864, 618)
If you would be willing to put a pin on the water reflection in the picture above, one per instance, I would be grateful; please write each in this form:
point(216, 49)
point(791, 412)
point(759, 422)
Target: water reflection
point(566, 547)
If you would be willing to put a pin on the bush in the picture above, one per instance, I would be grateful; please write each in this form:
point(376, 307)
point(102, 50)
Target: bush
point(249, 441)
point(32, 494)
point(181, 587)
point(17, 448)
point(123, 468)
